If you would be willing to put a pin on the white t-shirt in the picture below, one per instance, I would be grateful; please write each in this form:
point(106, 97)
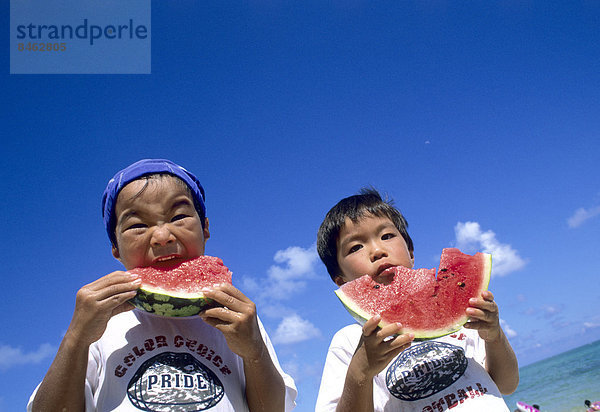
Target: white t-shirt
point(151, 363)
point(430, 376)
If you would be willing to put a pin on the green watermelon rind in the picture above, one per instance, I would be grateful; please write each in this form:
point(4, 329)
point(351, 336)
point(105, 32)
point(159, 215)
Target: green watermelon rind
point(361, 316)
point(171, 304)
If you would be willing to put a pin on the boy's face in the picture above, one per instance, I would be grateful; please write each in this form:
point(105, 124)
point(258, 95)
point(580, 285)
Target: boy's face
point(158, 226)
point(369, 247)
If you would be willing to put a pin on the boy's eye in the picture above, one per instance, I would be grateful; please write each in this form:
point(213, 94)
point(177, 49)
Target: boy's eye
point(354, 248)
point(179, 217)
point(136, 226)
point(388, 236)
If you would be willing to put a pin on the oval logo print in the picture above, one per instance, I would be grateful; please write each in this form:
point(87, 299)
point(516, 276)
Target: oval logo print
point(174, 382)
point(425, 369)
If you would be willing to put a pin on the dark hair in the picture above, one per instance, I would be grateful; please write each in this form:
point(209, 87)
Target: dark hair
point(147, 178)
point(368, 201)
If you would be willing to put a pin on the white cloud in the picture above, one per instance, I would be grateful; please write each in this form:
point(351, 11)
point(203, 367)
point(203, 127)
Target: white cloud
point(303, 371)
point(590, 325)
point(551, 311)
point(294, 329)
point(14, 356)
point(510, 333)
point(581, 215)
point(470, 238)
point(299, 261)
point(294, 266)
point(284, 280)
point(275, 310)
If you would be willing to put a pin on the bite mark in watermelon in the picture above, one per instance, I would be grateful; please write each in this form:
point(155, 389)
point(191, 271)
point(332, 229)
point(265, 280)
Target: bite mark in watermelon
point(425, 305)
point(177, 291)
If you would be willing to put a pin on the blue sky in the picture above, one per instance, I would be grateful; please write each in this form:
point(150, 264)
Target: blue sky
point(480, 120)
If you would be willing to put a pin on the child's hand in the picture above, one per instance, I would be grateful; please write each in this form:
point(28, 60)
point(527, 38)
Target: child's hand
point(265, 389)
point(484, 317)
point(100, 300)
point(236, 319)
point(378, 347)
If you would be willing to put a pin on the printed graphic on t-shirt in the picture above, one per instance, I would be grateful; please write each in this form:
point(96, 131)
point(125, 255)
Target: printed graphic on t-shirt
point(425, 369)
point(173, 381)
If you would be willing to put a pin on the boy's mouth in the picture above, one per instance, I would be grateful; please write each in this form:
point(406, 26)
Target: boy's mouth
point(385, 274)
point(168, 260)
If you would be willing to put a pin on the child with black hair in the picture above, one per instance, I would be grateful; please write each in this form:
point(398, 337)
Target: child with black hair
point(115, 358)
point(466, 371)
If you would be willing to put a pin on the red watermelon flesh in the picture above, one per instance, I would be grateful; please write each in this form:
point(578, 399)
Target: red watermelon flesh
point(188, 277)
point(426, 305)
point(178, 290)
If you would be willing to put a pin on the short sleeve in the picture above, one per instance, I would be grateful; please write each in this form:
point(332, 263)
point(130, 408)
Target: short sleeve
point(338, 358)
point(89, 398)
point(475, 346)
point(290, 387)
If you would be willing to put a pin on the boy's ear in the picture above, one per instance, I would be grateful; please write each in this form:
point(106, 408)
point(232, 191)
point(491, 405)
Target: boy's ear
point(115, 252)
point(205, 230)
point(339, 280)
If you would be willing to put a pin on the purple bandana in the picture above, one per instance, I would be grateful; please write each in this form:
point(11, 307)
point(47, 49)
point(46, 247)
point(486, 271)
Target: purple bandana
point(137, 170)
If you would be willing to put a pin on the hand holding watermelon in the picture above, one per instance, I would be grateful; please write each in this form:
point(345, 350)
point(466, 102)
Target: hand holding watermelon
point(378, 346)
point(376, 349)
point(238, 322)
point(484, 317)
point(95, 304)
point(501, 361)
point(236, 319)
point(98, 301)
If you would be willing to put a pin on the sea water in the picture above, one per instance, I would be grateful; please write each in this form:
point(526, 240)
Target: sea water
point(561, 383)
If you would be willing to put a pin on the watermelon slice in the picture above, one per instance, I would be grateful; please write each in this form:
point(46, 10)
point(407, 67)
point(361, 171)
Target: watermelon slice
point(177, 290)
point(426, 306)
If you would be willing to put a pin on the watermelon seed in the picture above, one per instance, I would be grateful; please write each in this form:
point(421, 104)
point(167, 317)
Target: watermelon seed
point(443, 270)
point(376, 287)
point(461, 284)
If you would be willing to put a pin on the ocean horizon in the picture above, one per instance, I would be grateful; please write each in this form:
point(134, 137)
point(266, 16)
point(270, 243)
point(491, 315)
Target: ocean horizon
point(562, 382)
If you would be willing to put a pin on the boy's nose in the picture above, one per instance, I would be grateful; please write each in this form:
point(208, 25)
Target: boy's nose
point(377, 253)
point(162, 236)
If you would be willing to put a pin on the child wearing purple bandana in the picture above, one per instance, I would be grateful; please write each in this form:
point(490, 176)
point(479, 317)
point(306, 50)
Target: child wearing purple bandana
point(114, 357)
